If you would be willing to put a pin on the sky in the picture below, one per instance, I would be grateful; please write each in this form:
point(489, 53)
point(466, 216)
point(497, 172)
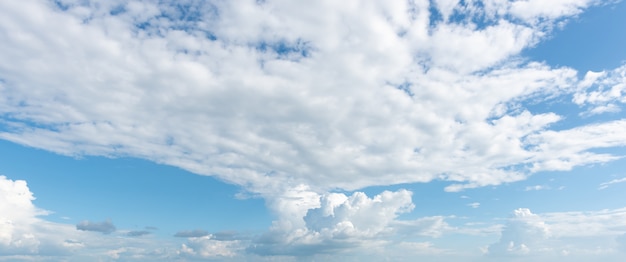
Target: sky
point(273, 130)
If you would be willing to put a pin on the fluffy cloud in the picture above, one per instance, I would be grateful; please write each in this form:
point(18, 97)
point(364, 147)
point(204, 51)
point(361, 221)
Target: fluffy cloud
point(16, 213)
point(347, 222)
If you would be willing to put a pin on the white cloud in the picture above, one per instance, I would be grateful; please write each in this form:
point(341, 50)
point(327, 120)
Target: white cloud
point(273, 96)
point(290, 104)
point(206, 247)
point(614, 181)
point(537, 188)
point(347, 222)
point(602, 92)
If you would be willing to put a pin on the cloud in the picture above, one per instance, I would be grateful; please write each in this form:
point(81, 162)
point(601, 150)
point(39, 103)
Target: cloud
point(138, 233)
point(24, 235)
point(520, 235)
point(342, 222)
point(537, 188)
point(602, 92)
point(205, 247)
point(578, 235)
point(474, 205)
point(614, 181)
point(16, 213)
point(291, 105)
point(192, 233)
point(321, 103)
point(105, 227)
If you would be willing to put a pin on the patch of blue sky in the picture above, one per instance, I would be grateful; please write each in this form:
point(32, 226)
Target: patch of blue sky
point(594, 41)
point(132, 193)
point(286, 50)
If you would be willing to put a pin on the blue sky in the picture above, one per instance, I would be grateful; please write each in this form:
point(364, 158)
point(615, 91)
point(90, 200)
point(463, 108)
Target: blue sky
point(276, 131)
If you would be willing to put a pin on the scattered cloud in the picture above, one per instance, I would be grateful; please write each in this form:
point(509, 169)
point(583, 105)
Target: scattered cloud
point(537, 188)
point(105, 227)
point(138, 233)
point(602, 92)
point(474, 205)
point(614, 181)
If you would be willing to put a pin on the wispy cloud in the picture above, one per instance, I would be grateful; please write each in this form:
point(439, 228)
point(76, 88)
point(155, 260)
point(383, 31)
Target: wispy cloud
point(614, 181)
point(537, 188)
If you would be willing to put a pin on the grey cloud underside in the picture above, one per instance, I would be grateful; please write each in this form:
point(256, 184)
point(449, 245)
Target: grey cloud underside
point(192, 233)
point(105, 227)
point(286, 97)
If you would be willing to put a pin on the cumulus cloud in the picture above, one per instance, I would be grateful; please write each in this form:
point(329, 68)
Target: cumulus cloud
point(105, 227)
point(347, 222)
point(16, 213)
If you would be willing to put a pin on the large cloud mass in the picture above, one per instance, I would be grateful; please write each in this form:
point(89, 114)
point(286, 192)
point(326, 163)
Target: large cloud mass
point(272, 94)
point(292, 100)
